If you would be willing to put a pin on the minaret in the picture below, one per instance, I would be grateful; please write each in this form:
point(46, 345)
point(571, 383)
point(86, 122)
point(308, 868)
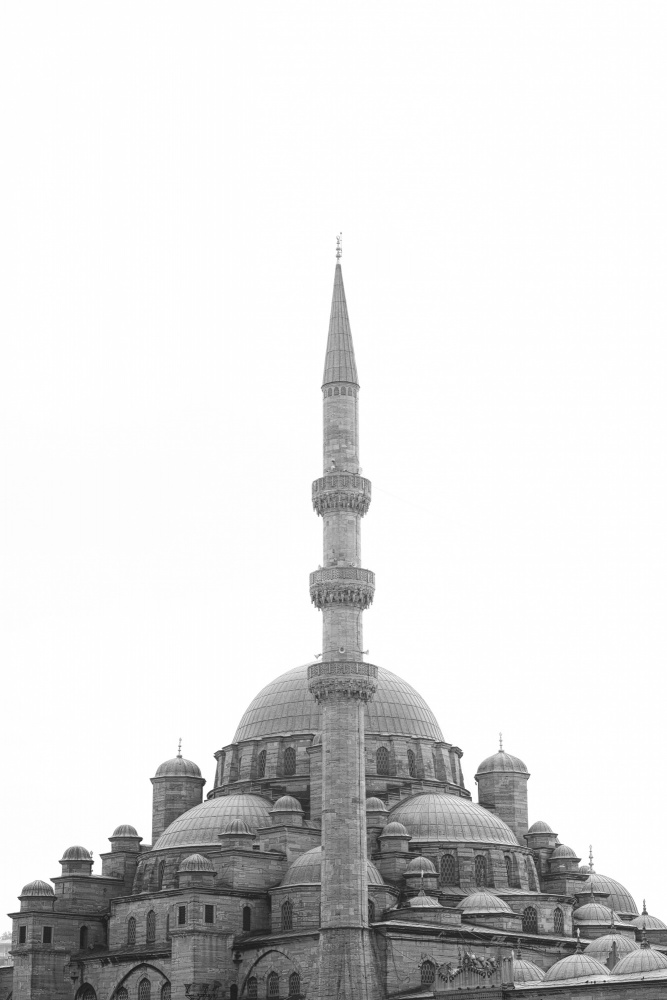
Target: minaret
point(341, 682)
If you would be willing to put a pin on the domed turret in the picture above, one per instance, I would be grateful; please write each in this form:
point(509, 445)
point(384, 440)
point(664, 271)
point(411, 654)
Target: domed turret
point(37, 895)
point(177, 787)
point(610, 948)
point(196, 871)
point(196, 863)
point(563, 860)
point(76, 860)
point(125, 830)
point(37, 888)
point(502, 781)
point(287, 811)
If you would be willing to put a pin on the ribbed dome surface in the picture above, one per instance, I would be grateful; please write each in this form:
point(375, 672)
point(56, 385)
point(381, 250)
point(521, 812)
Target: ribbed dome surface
point(619, 897)
point(375, 805)
point(125, 830)
point(436, 816)
point(308, 869)
point(394, 829)
point(287, 803)
point(202, 824)
point(563, 852)
point(286, 706)
point(526, 972)
point(76, 853)
point(178, 767)
point(423, 902)
point(502, 761)
point(483, 902)
point(420, 864)
point(601, 947)
point(37, 888)
point(576, 966)
point(593, 913)
point(237, 828)
point(539, 826)
point(642, 960)
point(196, 863)
point(649, 922)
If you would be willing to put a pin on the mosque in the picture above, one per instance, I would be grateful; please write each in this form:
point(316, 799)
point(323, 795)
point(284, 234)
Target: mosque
point(338, 854)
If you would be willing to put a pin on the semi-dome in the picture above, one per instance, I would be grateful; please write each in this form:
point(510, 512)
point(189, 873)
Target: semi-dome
point(644, 959)
point(420, 864)
point(594, 913)
point(287, 803)
point(577, 966)
point(375, 805)
point(202, 824)
point(76, 853)
point(539, 826)
point(287, 706)
point(619, 897)
point(178, 767)
point(601, 947)
point(196, 863)
point(483, 902)
point(237, 828)
point(37, 888)
point(563, 851)
point(308, 869)
point(125, 830)
point(502, 761)
point(394, 829)
point(526, 972)
point(430, 816)
point(423, 902)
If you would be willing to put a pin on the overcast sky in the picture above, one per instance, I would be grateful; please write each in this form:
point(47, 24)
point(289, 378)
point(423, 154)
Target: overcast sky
point(173, 178)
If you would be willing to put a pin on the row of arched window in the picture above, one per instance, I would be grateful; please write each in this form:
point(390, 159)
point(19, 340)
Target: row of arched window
point(449, 871)
point(150, 929)
point(289, 763)
point(343, 391)
point(144, 992)
point(273, 985)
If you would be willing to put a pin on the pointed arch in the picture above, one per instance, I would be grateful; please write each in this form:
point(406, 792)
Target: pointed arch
point(160, 874)
point(144, 991)
point(382, 761)
point(480, 870)
point(427, 973)
point(559, 922)
point(83, 938)
point(132, 931)
point(286, 915)
point(529, 920)
point(261, 764)
point(246, 918)
point(272, 985)
point(449, 870)
point(290, 761)
point(150, 927)
point(251, 988)
point(165, 992)
point(294, 984)
point(412, 764)
point(86, 993)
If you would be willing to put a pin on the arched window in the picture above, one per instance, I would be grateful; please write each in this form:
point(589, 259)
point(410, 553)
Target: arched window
point(86, 993)
point(83, 938)
point(120, 994)
point(252, 988)
point(272, 984)
point(144, 992)
point(508, 868)
point(529, 917)
point(330, 392)
point(132, 931)
point(412, 764)
point(480, 870)
point(286, 915)
point(371, 911)
point(336, 391)
point(559, 923)
point(290, 761)
point(150, 927)
point(233, 992)
point(261, 764)
point(343, 391)
point(167, 930)
point(165, 992)
point(448, 874)
point(294, 984)
point(428, 973)
point(532, 881)
point(382, 760)
point(246, 918)
point(160, 874)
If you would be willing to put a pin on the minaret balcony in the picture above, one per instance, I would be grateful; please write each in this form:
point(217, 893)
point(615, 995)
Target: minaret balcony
point(349, 678)
point(342, 585)
point(341, 491)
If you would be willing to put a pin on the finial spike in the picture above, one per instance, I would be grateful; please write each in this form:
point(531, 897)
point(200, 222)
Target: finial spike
point(180, 742)
point(339, 246)
point(579, 948)
point(518, 949)
point(500, 740)
point(644, 942)
point(590, 859)
point(644, 910)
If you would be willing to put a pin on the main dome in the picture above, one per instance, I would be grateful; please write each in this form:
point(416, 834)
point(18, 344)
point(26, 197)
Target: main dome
point(286, 706)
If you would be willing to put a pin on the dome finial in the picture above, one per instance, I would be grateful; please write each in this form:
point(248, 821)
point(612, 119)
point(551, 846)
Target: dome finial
point(579, 949)
point(339, 246)
point(500, 742)
point(644, 943)
point(518, 949)
point(644, 910)
point(590, 860)
point(180, 743)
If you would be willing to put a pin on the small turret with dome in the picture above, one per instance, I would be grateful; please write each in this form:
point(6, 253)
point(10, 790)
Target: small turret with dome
point(177, 787)
point(77, 860)
point(502, 781)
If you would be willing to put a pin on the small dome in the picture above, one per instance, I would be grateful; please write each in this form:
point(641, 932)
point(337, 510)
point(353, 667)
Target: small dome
point(375, 805)
point(527, 972)
point(125, 830)
point(619, 897)
point(196, 863)
point(308, 869)
point(577, 966)
point(394, 829)
point(502, 761)
point(483, 902)
point(420, 864)
point(435, 816)
point(645, 920)
point(178, 767)
point(287, 803)
point(423, 902)
point(539, 826)
point(37, 888)
point(237, 827)
point(76, 853)
point(563, 851)
point(202, 824)
point(594, 913)
point(585, 869)
point(644, 959)
point(601, 947)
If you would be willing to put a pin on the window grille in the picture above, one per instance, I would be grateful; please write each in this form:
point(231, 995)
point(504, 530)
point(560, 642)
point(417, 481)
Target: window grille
point(530, 920)
point(371, 911)
point(181, 914)
point(83, 938)
point(261, 764)
point(480, 870)
point(272, 985)
point(286, 916)
point(150, 927)
point(144, 990)
point(559, 923)
point(121, 994)
point(247, 918)
point(428, 973)
point(132, 931)
point(165, 992)
point(412, 764)
point(86, 993)
point(382, 759)
point(252, 988)
point(294, 984)
point(448, 874)
point(290, 761)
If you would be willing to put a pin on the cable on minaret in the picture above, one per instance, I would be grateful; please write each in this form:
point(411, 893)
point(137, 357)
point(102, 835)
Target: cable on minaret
point(339, 246)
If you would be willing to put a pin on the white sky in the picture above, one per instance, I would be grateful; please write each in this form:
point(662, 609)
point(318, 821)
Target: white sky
point(173, 178)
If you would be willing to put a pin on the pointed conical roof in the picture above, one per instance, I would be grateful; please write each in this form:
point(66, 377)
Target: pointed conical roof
point(339, 364)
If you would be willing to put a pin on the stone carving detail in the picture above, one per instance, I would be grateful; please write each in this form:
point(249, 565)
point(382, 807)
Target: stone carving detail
point(342, 679)
point(342, 491)
point(342, 585)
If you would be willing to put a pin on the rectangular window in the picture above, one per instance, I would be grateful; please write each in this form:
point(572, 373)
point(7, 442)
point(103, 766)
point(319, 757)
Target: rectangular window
point(208, 914)
point(47, 935)
point(181, 914)
point(22, 934)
